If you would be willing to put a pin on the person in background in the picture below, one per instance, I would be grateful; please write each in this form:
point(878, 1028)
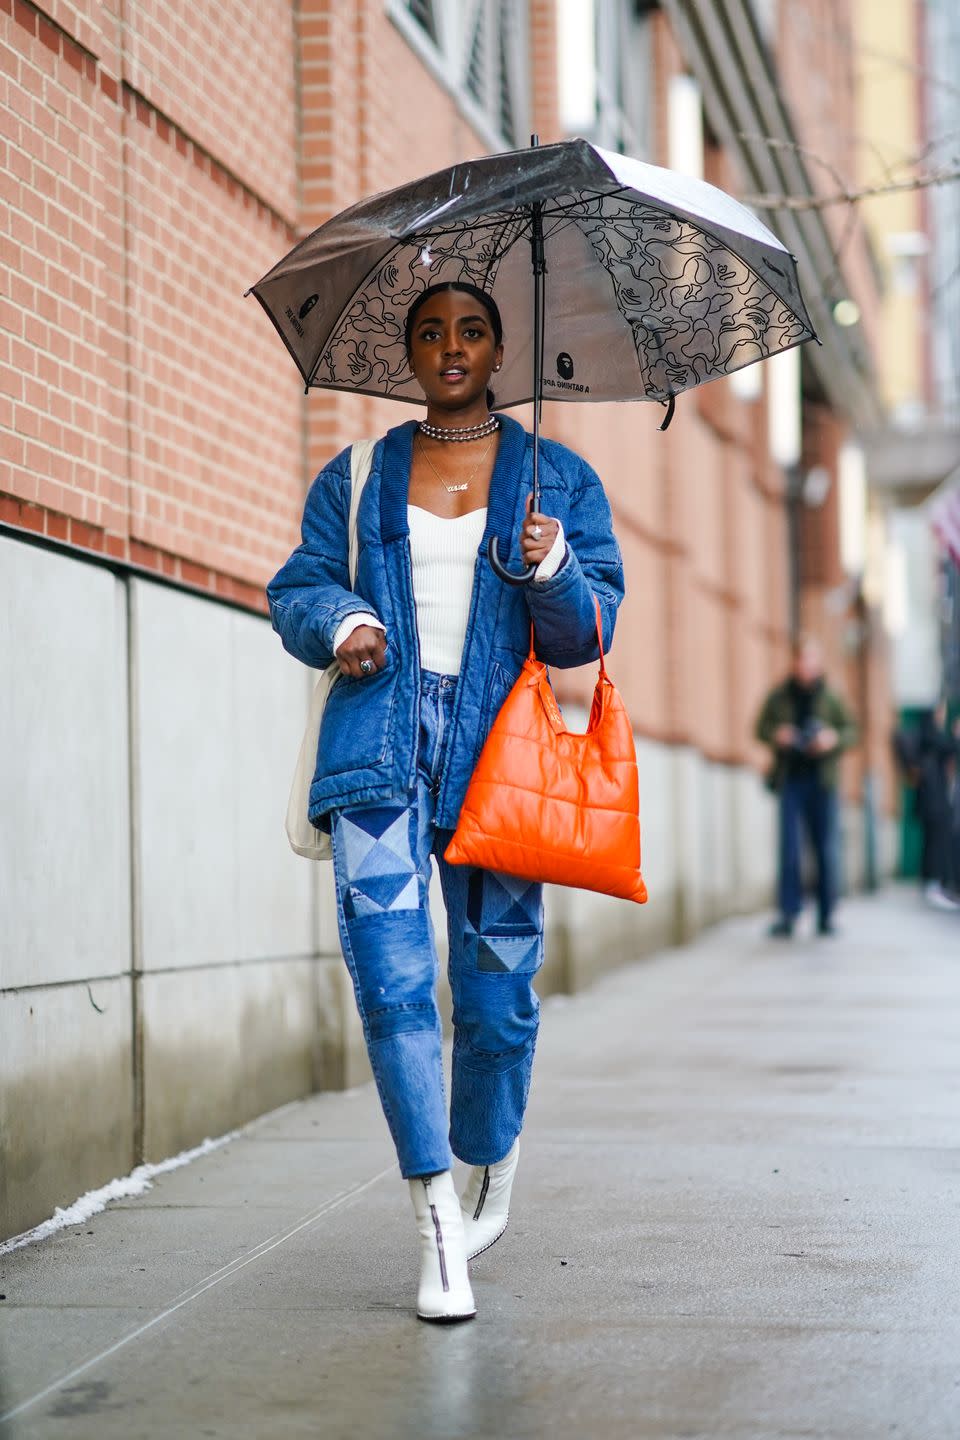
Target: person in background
point(934, 759)
point(807, 726)
point(955, 810)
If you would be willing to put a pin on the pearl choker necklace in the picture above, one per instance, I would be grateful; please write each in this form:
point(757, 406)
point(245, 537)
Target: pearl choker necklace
point(461, 432)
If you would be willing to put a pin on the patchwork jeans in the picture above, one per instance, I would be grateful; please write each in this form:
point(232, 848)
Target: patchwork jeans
point(381, 859)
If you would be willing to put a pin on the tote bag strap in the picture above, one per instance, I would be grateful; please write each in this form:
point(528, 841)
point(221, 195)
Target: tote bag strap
point(304, 839)
point(603, 669)
point(361, 460)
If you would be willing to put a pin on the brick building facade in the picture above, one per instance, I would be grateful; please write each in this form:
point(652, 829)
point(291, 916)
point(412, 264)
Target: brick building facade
point(155, 448)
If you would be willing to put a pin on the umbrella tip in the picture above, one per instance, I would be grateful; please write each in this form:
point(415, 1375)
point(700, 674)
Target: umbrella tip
point(671, 404)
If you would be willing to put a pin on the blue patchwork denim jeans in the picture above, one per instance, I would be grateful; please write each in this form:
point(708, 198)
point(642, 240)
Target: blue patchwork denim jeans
point(381, 859)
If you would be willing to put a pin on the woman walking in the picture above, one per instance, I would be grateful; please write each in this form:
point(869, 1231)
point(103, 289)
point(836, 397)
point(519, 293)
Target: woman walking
point(429, 643)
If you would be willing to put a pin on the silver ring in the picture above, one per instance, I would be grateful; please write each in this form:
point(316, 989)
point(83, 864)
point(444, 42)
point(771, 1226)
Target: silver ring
point(366, 667)
point(537, 532)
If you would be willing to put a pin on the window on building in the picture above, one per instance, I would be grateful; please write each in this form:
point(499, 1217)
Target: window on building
point(478, 50)
point(606, 72)
point(685, 126)
point(422, 13)
point(766, 13)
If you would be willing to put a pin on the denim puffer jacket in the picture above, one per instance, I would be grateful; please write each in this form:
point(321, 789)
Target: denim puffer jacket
point(368, 739)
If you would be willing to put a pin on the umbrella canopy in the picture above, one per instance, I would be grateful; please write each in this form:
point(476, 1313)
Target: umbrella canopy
point(654, 282)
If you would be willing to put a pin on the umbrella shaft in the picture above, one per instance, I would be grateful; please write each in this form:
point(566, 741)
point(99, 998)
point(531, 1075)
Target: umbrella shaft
point(539, 270)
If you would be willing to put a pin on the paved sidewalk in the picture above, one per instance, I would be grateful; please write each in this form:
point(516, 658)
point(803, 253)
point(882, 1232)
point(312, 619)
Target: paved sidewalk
point(737, 1215)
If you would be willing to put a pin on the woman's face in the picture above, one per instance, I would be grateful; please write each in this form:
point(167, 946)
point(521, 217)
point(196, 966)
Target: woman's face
point(453, 351)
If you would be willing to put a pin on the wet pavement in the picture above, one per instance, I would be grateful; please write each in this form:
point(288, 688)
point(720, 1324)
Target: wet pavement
point(737, 1215)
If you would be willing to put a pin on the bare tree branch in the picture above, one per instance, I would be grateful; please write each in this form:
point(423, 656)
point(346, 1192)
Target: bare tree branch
point(945, 284)
point(947, 176)
point(772, 143)
point(898, 62)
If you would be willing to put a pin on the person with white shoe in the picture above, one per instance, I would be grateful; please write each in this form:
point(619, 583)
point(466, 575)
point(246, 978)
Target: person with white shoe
point(429, 642)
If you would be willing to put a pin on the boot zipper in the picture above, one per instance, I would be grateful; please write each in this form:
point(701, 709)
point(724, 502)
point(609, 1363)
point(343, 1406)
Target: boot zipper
point(443, 1263)
point(483, 1192)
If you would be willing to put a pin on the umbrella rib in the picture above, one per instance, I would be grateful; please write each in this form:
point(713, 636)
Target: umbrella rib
point(582, 196)
point(324, 343)
point(413, 237)
point(520, 221)
point(515, 217)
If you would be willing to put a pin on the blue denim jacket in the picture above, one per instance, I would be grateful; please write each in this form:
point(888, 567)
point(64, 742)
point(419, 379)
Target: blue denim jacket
point(368, 740)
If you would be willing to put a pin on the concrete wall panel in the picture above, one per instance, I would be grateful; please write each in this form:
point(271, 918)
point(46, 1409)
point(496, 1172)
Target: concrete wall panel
point(688, 806)
point(717, 868)
point(753, 836)
point(220, 716)
point(224, 1045)
point(64, 847)
point(657, 820)
point(272, 886)
point(66, 1096)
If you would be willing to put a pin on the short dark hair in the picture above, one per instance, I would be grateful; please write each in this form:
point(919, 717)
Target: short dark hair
point(487, 301)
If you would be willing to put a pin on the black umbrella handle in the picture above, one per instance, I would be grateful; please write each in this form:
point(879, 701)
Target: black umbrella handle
point(500, 570)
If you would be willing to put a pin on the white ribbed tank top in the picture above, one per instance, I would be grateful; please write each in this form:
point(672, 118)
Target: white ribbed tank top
point(443, 553)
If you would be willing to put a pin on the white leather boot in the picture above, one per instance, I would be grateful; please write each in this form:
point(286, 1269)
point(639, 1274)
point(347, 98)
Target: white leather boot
point(486, 1202)
point(444, 1292)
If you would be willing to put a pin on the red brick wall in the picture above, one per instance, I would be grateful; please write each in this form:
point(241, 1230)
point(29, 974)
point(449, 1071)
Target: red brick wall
point(816, 58)
point(155, 169)
point(853, 639)
point(224, 71)
point(61, 378)
point(141, 412)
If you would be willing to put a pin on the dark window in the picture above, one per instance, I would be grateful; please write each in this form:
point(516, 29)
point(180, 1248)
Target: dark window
point(422, 12)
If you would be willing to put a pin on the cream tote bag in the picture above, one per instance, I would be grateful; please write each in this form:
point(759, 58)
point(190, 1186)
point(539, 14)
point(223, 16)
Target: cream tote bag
point(306, 839)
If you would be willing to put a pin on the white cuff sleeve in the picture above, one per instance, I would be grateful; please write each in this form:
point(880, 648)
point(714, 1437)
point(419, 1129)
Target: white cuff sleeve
point(353, 622)
point(555, 557)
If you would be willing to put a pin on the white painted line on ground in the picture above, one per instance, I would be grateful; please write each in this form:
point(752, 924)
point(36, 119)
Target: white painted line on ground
point(214, 1278)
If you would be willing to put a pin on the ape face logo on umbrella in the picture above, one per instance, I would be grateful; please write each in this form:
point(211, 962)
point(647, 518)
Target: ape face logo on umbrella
point(565, 369)
point(296, 317)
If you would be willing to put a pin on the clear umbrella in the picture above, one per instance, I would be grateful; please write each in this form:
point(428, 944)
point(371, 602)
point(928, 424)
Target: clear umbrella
point(634, 282)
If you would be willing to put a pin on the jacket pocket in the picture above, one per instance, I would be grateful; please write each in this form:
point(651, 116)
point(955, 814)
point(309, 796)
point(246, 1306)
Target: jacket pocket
point(356, 728)
point(499, 684)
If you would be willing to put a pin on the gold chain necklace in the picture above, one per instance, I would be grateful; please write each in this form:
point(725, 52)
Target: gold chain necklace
point(453, 489)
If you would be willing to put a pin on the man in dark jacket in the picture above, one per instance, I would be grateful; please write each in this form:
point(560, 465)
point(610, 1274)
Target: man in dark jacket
point(928, 755)
point(807, 726)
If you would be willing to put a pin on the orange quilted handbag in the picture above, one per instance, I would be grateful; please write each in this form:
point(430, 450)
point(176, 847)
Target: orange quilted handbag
point(546, 804)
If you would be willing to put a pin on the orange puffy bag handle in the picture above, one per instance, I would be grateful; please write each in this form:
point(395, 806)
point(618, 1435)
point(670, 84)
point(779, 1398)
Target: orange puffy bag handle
point(548, 699)
point(547, 804)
